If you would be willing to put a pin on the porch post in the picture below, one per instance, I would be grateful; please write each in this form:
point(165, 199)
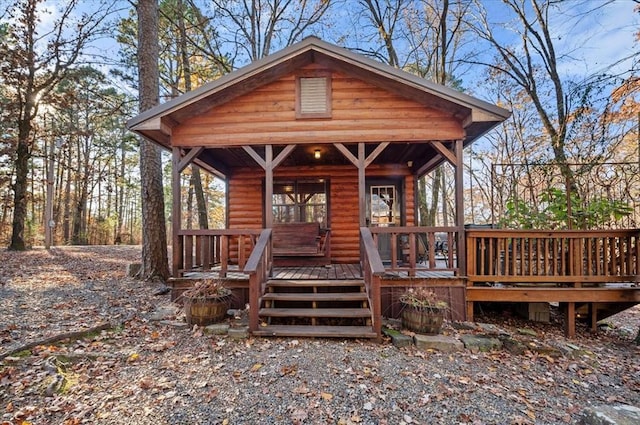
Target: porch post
point(461, 239)
point(362, 195)
point(176, 213)
point(268, 186)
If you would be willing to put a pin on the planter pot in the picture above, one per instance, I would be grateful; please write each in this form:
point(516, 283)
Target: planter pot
point(424, 320)
point(205, 311)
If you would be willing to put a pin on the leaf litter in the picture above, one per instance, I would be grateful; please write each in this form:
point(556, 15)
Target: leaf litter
point(143, 372)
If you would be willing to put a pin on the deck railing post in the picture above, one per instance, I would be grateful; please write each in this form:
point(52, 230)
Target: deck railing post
point(258, 268)
point(224, 255)
point(372, 269)
point(254, 303)
point(177, 255)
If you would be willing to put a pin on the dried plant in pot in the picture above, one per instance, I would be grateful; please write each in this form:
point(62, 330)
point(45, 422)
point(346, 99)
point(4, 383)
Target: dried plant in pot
point(422, 310)
point(206, 302)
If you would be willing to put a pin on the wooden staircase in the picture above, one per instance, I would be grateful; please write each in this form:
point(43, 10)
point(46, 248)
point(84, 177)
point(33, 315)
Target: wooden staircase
point(315, 308)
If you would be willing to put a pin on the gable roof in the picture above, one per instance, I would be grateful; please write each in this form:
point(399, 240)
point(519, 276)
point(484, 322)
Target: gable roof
point(476, 115)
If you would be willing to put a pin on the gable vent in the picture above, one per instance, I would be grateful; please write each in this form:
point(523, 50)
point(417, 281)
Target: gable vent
point(314, 99)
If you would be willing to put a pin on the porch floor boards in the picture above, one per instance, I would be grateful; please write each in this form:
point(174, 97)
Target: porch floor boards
point(328, 272)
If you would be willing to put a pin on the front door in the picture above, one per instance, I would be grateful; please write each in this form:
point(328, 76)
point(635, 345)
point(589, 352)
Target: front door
point(384, 209)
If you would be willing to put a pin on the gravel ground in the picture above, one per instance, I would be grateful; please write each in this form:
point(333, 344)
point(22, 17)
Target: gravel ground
point(145, 372)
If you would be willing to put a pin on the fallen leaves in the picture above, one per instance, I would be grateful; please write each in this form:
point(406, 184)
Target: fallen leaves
point(326, 396)
point(290, 370)
point(145, 370)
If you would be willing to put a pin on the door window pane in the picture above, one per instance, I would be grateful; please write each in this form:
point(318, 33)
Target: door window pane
point(383, 205)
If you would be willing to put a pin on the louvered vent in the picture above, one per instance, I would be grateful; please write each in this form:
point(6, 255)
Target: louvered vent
point(314, 100)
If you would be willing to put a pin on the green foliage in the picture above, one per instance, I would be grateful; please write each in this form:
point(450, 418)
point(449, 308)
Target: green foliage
point(552, 212)
point(519, 214)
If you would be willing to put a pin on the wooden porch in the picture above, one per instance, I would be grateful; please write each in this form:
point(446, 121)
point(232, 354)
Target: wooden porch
point(597, 269)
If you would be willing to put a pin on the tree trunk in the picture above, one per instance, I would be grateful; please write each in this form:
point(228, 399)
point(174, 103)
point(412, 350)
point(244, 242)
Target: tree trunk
point(20, 186)
point(432, 211)
point(66, 225)
point(203, 218)
point(155, 263)
point(119, 177)
point(422, 201)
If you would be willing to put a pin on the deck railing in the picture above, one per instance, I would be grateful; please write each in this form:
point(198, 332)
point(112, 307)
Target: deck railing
point(201, 250)
point(259, 268)
point(372, 270)
point(569, 257)
point(412, 249)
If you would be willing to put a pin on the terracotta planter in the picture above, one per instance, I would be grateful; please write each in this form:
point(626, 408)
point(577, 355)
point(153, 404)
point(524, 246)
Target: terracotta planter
point(424, 320)
point(205, 311)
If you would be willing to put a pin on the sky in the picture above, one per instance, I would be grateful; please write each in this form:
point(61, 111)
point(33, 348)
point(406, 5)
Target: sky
point(586, 43)
point(601, 37)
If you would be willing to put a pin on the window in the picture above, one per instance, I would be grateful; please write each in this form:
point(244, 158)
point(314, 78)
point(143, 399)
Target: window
point(313, 96)
point(383, 206)
point(300, 201)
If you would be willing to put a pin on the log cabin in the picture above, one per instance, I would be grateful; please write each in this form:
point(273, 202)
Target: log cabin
point(321, 149)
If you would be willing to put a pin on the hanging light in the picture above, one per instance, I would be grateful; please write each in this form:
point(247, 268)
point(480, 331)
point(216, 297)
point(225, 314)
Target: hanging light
point(317, 154)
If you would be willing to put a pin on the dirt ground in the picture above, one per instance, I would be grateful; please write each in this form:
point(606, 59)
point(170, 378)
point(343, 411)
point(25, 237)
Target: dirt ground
point(134, 369)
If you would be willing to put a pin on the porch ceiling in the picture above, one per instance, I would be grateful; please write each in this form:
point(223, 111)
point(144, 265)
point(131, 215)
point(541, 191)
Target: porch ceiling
point(226, 158)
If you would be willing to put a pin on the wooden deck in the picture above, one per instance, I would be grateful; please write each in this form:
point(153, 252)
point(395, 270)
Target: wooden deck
point(330, 271)
point(595, 269)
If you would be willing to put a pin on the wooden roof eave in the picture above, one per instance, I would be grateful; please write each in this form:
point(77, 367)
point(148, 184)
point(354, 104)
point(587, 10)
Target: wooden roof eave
point(225, 88)
point(157, 130)
point(310, 50)
point(479, 123)
point(217, 170)
point(460, 105)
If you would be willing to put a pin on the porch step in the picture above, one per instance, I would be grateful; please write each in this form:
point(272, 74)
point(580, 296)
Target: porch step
point(314, 296)
point(317, 331)
point(315, 308)
point(315, 312)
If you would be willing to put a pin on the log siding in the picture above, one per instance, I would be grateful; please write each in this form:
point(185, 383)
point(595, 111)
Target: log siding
point(361, 112)
point(246, 202)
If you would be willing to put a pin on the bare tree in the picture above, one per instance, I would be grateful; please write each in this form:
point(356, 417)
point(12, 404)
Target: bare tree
point(433, 31)
point(195, 186)
point(533, 64)
point(385, 15)
point(32, 63)
point(155, 263)
point(256, 27)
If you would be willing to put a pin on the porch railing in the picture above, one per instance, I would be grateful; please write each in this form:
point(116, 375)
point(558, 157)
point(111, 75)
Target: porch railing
point(372, 270)
point(202, 250)
point(259, 268)
point(413, 249)
point(560, 256)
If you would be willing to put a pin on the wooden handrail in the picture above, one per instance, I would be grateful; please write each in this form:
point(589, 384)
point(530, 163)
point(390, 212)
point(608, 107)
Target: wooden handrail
point(370, 252)
point(372, 271)
point(203, 249)
point(258, 267)
point(414, 248)
point(551, 233)
point(552, 256)
point(219, 232)
point(254, 261)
